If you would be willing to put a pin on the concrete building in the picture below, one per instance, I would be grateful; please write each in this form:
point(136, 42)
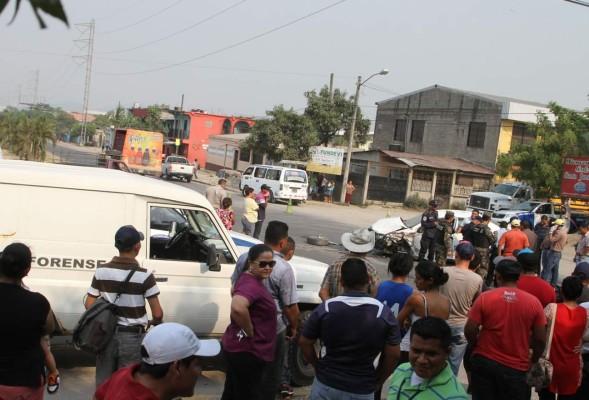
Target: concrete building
point(447, 122)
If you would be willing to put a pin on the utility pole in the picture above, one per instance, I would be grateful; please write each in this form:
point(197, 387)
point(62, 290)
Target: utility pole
point(331, 88)
point(89, 43)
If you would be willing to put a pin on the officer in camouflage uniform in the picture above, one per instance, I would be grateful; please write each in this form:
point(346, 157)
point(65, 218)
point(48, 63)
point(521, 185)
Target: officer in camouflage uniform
point(429, 220)
point(444, 231)
point(482, 239)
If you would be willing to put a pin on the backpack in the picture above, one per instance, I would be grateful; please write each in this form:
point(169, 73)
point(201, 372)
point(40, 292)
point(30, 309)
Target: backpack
point(97, 325)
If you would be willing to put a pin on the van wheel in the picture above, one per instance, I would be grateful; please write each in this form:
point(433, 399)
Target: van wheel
point(301, 372)
point(189, 178)
point(243, 190)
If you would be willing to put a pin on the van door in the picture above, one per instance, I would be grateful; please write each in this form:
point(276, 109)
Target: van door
point(179, 242)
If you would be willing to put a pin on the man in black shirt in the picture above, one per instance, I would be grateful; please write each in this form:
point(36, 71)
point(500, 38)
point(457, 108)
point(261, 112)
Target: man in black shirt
point(429, 220)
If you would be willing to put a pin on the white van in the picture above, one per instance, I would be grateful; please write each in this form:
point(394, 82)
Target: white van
point(68, 216)
point(285, 183)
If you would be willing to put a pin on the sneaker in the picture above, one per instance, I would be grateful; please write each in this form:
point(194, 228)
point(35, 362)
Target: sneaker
point(286, 390)
point(52, 383)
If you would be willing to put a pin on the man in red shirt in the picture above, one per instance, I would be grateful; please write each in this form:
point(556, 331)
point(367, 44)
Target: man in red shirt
point(507, 316)
point(531, 282)
point(169, 369)
point(513, 239)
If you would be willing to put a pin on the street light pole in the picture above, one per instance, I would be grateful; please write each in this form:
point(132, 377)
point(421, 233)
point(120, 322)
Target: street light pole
point(359, 84)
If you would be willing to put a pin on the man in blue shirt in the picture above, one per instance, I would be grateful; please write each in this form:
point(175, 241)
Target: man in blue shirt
point(354, 328)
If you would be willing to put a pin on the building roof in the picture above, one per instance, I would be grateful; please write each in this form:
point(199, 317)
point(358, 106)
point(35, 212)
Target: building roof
point(436, 162)
point(80, 117)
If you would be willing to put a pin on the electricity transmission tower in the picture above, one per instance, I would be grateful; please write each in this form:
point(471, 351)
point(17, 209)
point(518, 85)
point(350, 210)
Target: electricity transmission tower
point(87, 29)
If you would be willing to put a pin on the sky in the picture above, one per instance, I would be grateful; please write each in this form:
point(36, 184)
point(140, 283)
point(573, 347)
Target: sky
point(243, 57)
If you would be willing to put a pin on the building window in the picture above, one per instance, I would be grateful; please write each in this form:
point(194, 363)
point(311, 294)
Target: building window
point(241, 127)
point(417, 129)
point(476, 134)
point(400, 129)
point(521, 134)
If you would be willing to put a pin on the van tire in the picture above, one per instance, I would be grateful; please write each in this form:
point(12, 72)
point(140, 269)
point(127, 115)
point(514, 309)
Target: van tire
point(301, 372)
point(189, 178)
point(243, 190)
point(317, 240)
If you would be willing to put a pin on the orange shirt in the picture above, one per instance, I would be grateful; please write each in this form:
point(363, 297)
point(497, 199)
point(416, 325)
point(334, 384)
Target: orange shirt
point(514, 239)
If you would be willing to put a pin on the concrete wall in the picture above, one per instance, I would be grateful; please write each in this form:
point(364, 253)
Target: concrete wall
point(447, 114)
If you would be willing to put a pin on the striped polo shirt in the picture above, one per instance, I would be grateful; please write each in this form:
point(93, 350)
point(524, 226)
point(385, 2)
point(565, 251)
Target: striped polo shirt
point(131, 305)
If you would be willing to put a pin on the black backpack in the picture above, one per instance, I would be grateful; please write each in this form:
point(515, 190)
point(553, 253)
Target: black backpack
point(97, 325)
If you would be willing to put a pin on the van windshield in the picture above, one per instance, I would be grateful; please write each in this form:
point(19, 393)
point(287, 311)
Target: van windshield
point(505, 189)
point(291, 175)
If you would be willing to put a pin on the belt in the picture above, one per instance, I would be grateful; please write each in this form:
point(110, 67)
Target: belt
point(554, 251)
point(131, 328)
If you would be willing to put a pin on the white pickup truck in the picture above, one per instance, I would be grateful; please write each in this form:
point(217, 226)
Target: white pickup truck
point(178, 167)
point(530, 210)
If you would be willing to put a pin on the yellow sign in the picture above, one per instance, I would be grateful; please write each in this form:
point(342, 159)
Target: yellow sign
point(177, 142)
point(327, 160)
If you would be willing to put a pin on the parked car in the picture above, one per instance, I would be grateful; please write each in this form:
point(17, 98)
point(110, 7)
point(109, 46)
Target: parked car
point(177, 167)
point(406, 235)
point(530, 210)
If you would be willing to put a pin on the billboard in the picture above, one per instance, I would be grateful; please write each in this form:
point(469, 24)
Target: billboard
point(328, 160)
point(575, 178)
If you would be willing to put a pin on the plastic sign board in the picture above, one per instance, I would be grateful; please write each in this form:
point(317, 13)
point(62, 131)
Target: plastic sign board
point(328, 160)
point(575, 178)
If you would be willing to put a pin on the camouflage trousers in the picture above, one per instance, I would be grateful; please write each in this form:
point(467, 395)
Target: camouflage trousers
point(485, 255)
point(441, 255)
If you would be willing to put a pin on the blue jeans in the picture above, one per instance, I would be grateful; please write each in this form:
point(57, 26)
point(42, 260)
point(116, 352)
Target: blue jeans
point(123, 350)
point(319, 391)
point(550, 271)
point(457, 348)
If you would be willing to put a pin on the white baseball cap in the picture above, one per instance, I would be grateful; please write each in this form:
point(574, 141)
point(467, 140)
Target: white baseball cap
point(169, 342)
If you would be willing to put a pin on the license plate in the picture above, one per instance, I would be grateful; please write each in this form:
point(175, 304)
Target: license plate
point(294, 190)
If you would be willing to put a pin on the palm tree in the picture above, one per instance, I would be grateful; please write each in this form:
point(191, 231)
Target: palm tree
point(27, 133)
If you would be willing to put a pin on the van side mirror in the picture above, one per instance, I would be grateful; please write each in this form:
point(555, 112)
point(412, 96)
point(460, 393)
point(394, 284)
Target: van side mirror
point(212, 259)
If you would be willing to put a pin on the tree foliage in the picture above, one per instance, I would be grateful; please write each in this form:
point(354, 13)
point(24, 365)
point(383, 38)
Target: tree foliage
point(26, 133)
point(284, 135)
point(153, 120)
point(51, 7)
point(540, 163)
point(329, 118)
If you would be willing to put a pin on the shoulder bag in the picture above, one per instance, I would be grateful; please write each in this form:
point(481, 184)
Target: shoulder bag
point(540, 374)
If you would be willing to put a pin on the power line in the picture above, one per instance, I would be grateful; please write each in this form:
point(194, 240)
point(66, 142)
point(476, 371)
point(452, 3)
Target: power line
point(227, 47)
point(176, 33)
point(119, 11)
point(142, 20)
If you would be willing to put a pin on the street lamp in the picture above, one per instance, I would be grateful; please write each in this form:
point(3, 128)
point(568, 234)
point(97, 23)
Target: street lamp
point(352, 129)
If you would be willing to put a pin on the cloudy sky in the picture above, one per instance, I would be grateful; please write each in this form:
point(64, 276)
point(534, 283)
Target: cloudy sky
point(243, 57)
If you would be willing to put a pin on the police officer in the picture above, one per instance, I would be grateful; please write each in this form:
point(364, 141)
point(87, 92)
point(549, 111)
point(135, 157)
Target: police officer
point(443, 238)
point(429, 220)
point(482, 239)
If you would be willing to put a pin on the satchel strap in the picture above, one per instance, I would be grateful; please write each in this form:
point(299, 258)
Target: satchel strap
point(549, 345)
point(123, 284)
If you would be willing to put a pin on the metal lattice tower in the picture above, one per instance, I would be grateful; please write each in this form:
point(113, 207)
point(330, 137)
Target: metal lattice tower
point(87, 28)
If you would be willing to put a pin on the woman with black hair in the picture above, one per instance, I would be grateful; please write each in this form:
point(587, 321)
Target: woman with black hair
point(249, 341)
point(426, 302)
point(24, 317)
point(567, 330)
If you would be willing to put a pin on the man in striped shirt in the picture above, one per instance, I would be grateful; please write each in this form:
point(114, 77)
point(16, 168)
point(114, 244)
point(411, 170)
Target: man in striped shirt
point(125, 348)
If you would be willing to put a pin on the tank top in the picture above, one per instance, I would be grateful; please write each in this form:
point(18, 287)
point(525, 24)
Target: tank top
point(406, 339)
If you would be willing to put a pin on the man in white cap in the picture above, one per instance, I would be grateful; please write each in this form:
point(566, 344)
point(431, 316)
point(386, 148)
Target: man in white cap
point(358, 243)
point(169, 368)
point(558, 239)
point(513, 239)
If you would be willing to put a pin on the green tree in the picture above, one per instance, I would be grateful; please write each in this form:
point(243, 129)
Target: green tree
point(540, 162)
point(284, 135)
point(51, 7)
point(90, 129)
point(27, 133)
point(153, 121)
point(329, 118)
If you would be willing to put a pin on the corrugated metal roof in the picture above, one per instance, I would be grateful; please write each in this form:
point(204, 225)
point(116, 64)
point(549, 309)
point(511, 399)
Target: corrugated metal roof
point(438, 162)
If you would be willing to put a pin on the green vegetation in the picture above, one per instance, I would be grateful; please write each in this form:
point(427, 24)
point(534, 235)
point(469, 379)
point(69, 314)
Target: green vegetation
point(416, 202)
point(26, 133)
point(51, 7)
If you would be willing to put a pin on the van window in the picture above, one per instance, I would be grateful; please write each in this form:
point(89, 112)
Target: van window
point(273, 174)
point(260, 172)
point(248, 171)
point(190, 241)
point(291, 175)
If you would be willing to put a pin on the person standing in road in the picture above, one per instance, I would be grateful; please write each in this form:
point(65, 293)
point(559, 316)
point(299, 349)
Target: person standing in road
point(170, 366)
point(513, 239)
point(125, 347)
point(582, 247)
point(482, 240)
point(462, 288)
point(354, 329)
point(558, 240)
point(358, 243)
point(429, 220)
point(499, 327)
point(532, 283)
point(349, 190)
point(216, 194)
point(541, 229)
point(532, 237)
point(467, 226)
point(262, 199)
point(443, 238)
point(226, 214)
point(250, 212)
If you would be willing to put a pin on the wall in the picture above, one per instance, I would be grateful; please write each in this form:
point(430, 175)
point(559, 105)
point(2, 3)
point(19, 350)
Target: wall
point(447, 113)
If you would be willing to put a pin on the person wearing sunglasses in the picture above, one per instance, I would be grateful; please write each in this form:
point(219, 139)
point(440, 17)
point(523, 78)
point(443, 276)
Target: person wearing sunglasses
point(250, 339)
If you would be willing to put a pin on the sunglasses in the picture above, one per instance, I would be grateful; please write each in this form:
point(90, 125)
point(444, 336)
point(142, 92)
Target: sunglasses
point(264, 264)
